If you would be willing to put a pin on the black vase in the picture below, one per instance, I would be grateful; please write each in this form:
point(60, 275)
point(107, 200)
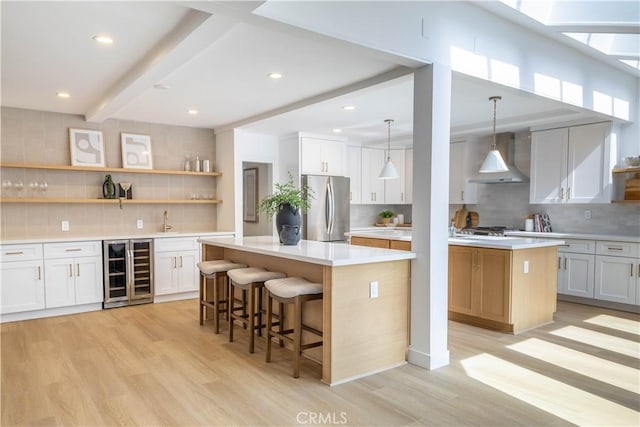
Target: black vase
point(290, 235)
point(287, 215)
point(108, 188)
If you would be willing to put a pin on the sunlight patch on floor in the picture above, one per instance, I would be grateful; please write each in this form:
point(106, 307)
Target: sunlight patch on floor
point(598, 339)
point(555, 397)
point(597, 368)
point(617, 323)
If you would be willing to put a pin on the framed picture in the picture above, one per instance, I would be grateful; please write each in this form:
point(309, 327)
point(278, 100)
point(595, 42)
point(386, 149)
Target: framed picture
point(250, 195)
point(87, 148)
point(136, 151)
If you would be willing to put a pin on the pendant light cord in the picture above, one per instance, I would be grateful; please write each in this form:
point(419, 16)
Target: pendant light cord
point(495, 102)
point(389, 121)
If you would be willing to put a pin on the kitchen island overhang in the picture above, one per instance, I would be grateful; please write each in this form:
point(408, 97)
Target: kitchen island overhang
point(362, 334)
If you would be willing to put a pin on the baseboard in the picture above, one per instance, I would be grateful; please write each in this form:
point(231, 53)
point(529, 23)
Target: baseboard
point(600, 303)
point(428, 361)
point(175, 297)
point(50, 312)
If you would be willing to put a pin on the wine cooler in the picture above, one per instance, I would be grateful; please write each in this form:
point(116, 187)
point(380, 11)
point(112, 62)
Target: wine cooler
point(128, 272)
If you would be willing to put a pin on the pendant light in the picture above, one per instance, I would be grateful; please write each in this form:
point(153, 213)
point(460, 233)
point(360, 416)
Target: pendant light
point(494, 162)
point(388, 171)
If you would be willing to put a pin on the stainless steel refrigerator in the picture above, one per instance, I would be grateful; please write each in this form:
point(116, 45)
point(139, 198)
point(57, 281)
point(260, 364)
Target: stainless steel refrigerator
point(328, 218)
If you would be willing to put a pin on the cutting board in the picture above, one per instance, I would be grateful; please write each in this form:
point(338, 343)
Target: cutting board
point(474, 218)
point(460, 218)
point(632, 188)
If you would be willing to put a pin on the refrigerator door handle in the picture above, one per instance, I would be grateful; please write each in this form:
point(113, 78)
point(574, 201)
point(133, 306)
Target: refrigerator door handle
point(327, 207)
point(332, 207)
point(130, 277)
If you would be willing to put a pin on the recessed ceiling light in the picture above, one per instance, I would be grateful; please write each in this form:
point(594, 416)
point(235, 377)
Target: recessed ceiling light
point(275, 76)
point(349, 108)
point(161, 87)
point(336, 130)
point(192, 111)
point(102, 39)
point(63, 95)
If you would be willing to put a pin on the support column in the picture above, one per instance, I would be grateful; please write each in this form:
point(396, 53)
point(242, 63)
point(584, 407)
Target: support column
point(429, 271)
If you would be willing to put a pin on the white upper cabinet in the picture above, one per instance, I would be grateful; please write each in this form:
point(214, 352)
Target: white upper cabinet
point(408, 175)
point(394, 188)
point(571, 165)
point(322, 156)
point(354, 172)
point(372, 187)
point(460, 170)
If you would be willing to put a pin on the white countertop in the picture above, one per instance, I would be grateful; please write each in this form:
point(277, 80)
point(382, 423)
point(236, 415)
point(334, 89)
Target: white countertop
point(324, 253)
point(512, 243)
point(156, 235)
point(618, 238)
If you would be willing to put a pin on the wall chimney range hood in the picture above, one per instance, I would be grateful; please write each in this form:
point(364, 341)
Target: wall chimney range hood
point(505, 143)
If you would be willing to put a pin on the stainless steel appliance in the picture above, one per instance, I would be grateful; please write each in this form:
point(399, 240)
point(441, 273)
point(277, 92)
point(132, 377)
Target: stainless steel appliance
point(328, 218)
point(495, 230)
point(128, 272)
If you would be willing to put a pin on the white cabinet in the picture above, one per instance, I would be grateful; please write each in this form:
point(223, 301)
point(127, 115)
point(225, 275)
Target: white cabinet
point(354, 172)
point(571, 165)
point(322, 156)
point(73, 273)
point(22, 278)
point(394, 188)
point(460, 170)
point(175, 268)
point(617, 270)
point(408, 176)
point(576, 260)
point(372, 187)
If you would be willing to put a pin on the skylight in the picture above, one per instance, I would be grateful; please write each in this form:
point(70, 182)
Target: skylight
point(611, 27)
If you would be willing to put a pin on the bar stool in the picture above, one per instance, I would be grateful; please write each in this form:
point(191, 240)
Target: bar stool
point(250, 281)
point(296, 291)
point(216, 271)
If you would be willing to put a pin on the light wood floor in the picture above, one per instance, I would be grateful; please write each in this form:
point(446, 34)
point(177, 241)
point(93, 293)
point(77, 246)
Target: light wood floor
point(154, 365)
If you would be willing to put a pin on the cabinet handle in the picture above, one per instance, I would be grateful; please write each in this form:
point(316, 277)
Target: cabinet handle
point(568, 193)
point(565, 263)
point(180, 261)
point(78, 270)
point(175, 262)
point(14, 253)
point(70, 270)
point(462, 195)
point(562, 193)
point(614, 248)
point(631, 270)
point(39, 273)
point(73, 250)
point(559, 263)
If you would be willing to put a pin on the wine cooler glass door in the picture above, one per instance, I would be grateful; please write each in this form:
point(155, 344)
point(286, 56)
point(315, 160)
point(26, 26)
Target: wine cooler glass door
point(116, 274)
point(141, 254)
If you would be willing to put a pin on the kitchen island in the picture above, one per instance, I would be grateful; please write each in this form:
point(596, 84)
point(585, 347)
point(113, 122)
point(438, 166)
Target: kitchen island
point(503, 283)
point(362, 333)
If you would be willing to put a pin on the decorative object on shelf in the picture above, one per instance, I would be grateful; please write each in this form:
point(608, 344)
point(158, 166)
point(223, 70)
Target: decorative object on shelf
point(136, 151)
point(290, 235)
point(206, 166)
point(108, 188)
point(388, 170)
point(87, 148)
point(287, 201)
point(187, 163)
point(494, 161)
point(632, 162)
point(386, 216)
point(125, 186)
point(250, 195)
point(197, 165)
point(125, 193)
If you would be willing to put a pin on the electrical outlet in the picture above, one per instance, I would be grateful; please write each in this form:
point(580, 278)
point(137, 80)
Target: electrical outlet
point(373, 289)
point(587, 214)
point(525, 267)
point(139, 224)
point(65, 225)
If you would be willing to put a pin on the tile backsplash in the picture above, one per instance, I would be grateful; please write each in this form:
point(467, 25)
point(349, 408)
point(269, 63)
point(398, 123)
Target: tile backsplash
point(43, 137)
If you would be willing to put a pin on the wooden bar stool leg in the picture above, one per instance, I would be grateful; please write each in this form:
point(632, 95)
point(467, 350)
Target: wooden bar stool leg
point(203, 284)
point(252, 317)
point(216, 304)
point(269, 323)
point(297, 338)
point(230, 311)
point(281, 325)
point(259, 290)
point(244, 307)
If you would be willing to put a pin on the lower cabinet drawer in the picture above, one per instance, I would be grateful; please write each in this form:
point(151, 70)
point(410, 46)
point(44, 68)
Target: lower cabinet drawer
point(29, 252)
point(72, 249)
point(611, 248)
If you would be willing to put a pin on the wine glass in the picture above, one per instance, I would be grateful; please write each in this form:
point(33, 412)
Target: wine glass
point(125, 186)
point(18, 186)
point(43, 186)
point(34, 187)
point(7, 185)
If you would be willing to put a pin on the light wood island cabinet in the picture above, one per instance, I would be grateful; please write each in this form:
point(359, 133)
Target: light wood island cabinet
point(502, 289)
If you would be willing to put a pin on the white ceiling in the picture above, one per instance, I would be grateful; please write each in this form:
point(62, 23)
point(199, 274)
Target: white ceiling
point(216, 58)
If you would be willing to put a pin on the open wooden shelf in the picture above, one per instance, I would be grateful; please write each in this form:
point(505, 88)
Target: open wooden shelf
point(626, 170)
point(111, 201)
point(100, 169)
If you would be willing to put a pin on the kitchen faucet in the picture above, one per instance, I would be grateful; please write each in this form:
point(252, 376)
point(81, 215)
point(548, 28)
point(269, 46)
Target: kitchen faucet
point(165, 217)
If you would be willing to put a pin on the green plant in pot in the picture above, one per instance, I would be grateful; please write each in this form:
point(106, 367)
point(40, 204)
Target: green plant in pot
point(286, 202)
point(386, 216)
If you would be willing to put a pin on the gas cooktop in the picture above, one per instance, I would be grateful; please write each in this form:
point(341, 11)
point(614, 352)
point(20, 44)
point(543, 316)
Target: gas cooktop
point(495, 230)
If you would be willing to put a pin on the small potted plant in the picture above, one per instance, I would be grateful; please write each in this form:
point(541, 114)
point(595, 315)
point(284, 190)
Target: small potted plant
point(386, 216)
point(286, 202)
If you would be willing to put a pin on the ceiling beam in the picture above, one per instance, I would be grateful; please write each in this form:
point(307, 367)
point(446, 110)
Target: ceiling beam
point(197, 31)
point(600, 28)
